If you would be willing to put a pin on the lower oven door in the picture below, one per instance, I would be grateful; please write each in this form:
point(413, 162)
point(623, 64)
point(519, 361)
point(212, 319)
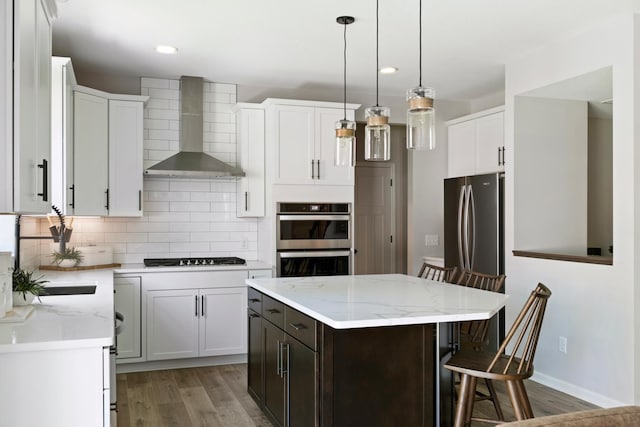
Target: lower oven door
point(313, 263)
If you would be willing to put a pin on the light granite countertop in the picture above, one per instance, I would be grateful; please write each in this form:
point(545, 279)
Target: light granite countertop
point(361, 301)
point(65, 321)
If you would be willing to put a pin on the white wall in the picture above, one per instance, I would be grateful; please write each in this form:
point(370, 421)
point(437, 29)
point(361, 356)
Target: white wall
point(550, 175)
point(593, 306)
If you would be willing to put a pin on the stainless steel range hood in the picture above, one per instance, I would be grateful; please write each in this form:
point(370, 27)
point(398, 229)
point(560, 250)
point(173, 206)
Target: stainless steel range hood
point(191, 161)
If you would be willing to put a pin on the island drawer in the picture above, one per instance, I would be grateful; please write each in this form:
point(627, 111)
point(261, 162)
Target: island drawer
point(301, 327)
point(273, 311)
point(254, 301)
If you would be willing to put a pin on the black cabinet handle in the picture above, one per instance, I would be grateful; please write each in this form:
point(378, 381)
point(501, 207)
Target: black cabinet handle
point(196, 297)
point(297, 326)
point(254, 315)
point(273, 311)
point(45, 180)
point(503, 162)
point(313, 170)
point(254, 300)
point(139, 200)
point(73, 196)
point(202, 313)
point(106, 192)
point(246, 201)
point(318, 174)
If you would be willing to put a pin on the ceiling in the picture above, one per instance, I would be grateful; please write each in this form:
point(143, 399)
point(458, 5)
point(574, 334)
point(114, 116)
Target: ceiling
point(298, 44)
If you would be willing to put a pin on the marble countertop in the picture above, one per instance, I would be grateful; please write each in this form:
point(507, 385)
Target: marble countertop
point(65, 322)
point(140, 268)
point(345, 302)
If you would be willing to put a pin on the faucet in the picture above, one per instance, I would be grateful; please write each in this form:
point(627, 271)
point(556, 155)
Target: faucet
point(59, 234)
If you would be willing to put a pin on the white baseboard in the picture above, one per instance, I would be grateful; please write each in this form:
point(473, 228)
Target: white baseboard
point(157, 365)
point(578, 392)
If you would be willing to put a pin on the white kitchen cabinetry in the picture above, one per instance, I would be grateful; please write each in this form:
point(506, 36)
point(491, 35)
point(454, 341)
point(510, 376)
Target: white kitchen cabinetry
point(195, 314)
point(302, 135)
point(250, 155)
point(196, 322)
point(25, 105)
point(63, 81)
point(476, 143)
point(107, 153)
point(260, 274)
point(127, 302)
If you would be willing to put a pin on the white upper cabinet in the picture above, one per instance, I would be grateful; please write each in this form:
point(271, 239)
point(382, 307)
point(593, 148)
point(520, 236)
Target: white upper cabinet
point(62, 83)
point(25, 105)
point(107, 161)
point(302, 133)
point(250, 155)
point(476, 143)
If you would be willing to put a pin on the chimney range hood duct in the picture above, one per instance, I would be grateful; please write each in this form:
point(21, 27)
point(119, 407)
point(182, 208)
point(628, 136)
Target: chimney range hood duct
point(191, 161)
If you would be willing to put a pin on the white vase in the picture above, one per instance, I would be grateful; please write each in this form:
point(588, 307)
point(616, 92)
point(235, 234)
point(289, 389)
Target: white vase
point(67, 263)
point(22, 299)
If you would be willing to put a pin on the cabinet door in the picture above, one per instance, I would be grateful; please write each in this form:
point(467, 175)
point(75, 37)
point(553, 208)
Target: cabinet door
point(6, 107)
point(127, 302)
point(31, 107)
point(223, 324)
point(490, 142)
point(295, 151)
point(125, 158)
point(254, 356)
point(302, 367)
point(172, 324)
point(260, 274)
point(250, 147)
point(461, 149)
point(326, 170)
point(274, 380)
point(90, 157)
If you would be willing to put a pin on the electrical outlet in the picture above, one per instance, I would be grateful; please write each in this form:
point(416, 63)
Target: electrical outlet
point(431, 240)
point(562, 345)
point(245, 243)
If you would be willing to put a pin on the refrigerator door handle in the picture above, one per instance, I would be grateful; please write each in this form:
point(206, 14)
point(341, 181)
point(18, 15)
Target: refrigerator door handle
point(471, 249)
point(465, 228)
point(460, 217)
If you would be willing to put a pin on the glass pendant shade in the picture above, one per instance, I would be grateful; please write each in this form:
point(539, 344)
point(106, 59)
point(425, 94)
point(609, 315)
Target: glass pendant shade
point(345, 143)
point(421, 119)
point(377, 136)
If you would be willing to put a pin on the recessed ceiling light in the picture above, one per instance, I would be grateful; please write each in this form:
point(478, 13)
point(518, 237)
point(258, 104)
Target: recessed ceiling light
point(388, 70)
point(166, 49)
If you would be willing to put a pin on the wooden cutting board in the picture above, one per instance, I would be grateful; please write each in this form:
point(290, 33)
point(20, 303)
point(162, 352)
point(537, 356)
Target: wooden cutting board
point(78, 267)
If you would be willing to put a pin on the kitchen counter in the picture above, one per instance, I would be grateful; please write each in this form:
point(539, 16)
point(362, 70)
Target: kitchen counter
point(363, 301)
point(65, 321)
point(140, 268)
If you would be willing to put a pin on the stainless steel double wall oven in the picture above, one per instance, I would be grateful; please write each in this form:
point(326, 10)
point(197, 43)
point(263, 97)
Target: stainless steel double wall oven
point(313, 239)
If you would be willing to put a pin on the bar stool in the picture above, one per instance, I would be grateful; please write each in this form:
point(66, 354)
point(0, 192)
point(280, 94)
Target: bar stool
point(437, 273)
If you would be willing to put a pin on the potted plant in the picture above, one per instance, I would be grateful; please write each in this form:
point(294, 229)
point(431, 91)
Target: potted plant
point(69, 257)
point(25, 287)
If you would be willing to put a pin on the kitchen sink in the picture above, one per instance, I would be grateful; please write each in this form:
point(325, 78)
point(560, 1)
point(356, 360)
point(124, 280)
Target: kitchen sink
point(68, 290)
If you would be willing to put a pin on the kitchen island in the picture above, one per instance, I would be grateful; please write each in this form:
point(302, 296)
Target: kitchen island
point(357, 350)
point(54, 364)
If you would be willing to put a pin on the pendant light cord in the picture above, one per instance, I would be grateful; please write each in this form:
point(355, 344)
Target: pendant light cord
point(377, 50)
point(345, 72)
point(420, 42)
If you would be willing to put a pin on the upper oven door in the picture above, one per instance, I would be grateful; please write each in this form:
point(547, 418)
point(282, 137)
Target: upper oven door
point(313, 232)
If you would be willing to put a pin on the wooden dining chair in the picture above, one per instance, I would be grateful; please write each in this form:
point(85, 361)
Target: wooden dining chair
point(513, 369)
point(473, 334)
point(437, 273)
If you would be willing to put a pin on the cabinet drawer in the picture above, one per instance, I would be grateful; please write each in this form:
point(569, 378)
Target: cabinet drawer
point(254, 300)
point(273, 311)
point(301, 327)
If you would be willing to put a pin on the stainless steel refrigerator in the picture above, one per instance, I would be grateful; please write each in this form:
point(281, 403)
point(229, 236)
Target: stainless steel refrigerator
point(474, 232)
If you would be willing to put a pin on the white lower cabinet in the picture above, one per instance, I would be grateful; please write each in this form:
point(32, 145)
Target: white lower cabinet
point(127, 302)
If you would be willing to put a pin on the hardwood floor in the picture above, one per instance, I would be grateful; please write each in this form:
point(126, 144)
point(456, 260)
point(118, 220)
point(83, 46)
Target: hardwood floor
point(216, 396)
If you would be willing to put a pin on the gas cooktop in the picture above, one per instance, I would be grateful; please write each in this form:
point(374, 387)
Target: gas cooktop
point(188, 262)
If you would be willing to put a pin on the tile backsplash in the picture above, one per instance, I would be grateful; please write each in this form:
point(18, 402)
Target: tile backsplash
point(181, 217)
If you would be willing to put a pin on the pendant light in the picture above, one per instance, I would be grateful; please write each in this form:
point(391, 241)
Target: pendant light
point(345, 129)
point(377, 144)
point(421, 114)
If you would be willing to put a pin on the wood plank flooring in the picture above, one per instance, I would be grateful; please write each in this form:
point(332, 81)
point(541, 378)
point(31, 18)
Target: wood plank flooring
point(216, 396)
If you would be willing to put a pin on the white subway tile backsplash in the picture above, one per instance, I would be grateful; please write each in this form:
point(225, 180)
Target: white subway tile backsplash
point(182, 217)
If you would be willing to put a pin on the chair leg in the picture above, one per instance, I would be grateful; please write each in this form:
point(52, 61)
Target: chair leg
point(494, 399)
point(466, 394)
point(524, 399)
